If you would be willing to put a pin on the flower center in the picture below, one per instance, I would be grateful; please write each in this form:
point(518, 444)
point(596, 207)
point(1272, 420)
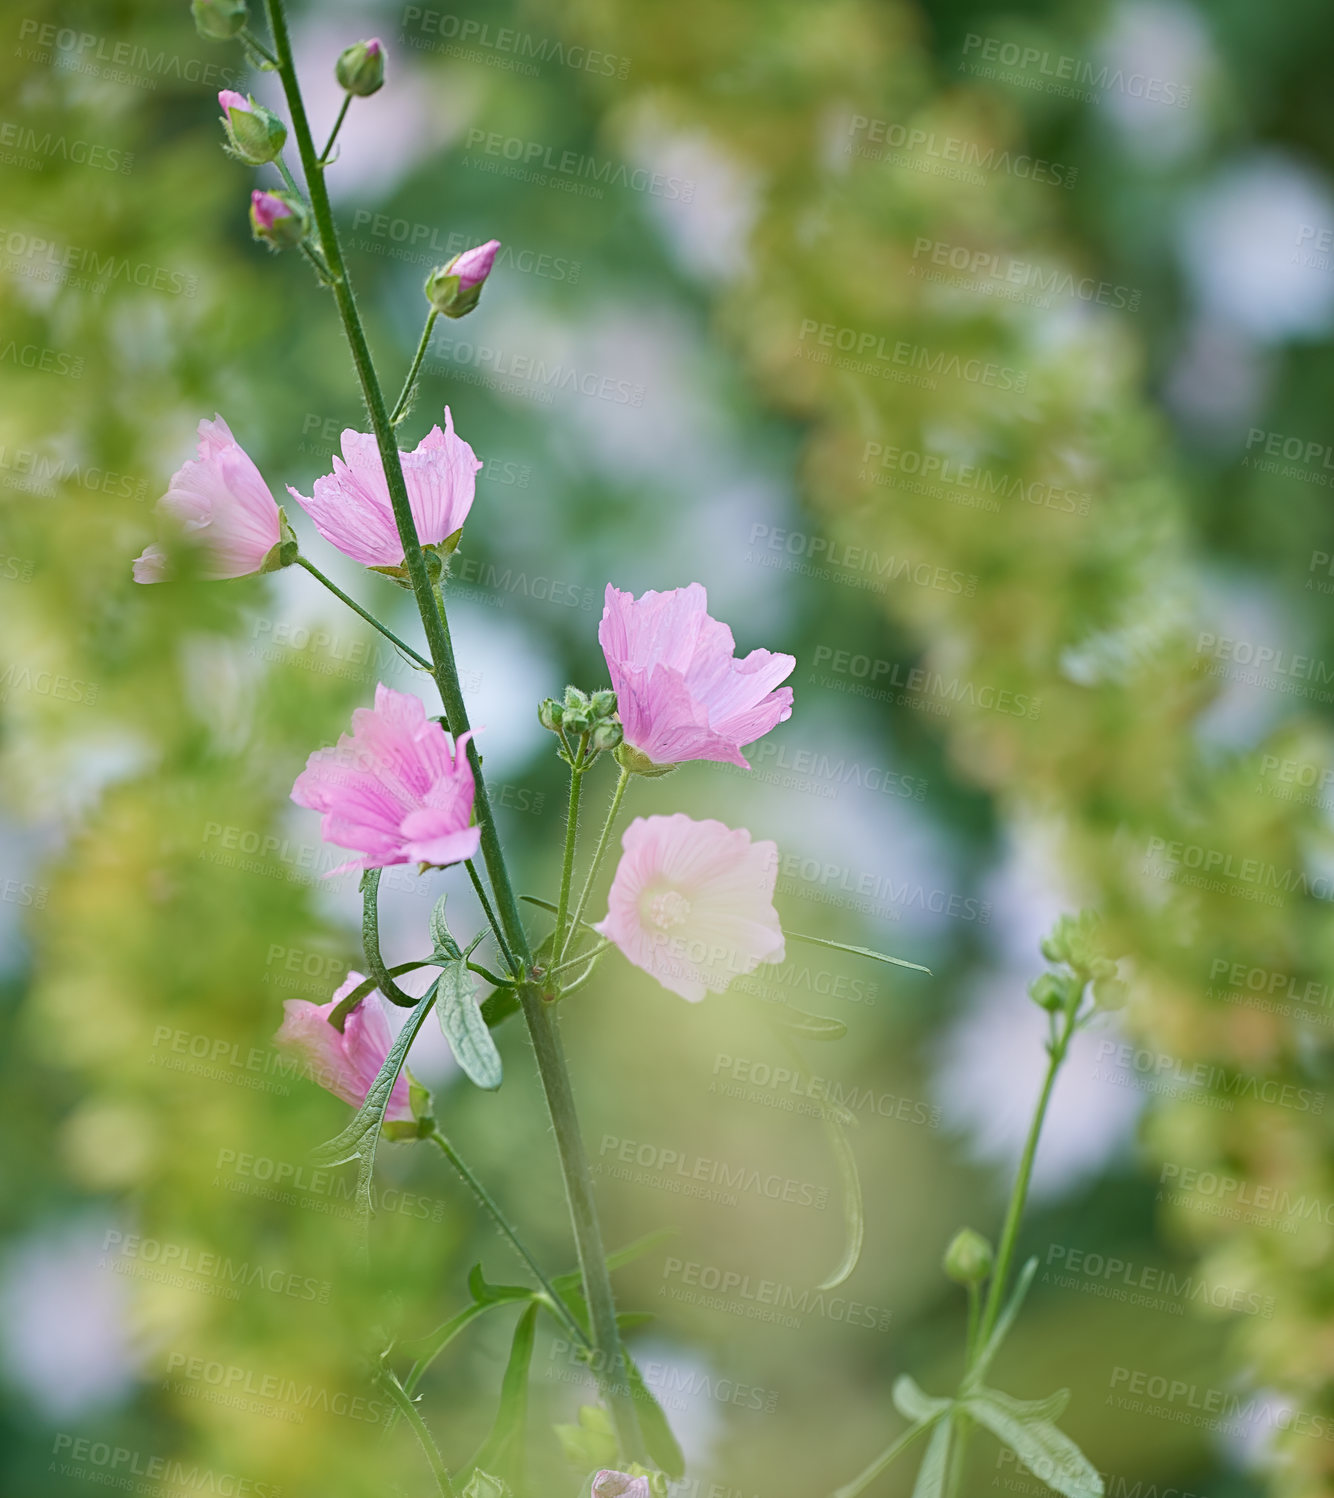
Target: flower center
point(668, 909)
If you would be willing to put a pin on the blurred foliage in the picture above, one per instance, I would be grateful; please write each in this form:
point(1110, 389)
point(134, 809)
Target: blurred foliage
point(169, 898)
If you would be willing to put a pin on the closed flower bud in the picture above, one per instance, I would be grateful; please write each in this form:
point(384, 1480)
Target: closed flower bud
point(453, 289)
point(219, 20)
point(606, 736)
point(968, 1259)
point(483, 1485)
point(255, 135)
point(576, 722)
point(575, 700)
point(278, 218)
point(360, 68)
point(1048, 992)
point(550, 714)
point(603, 703)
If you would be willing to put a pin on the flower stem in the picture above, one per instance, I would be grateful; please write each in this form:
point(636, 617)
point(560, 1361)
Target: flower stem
point(558, 952)
point(410, 384)
point(864, 1479)
point(410, 1412)
point(489, 1205)
point(357, 609)
point(333, 134)
point(571, 836)
point(541, 1023)
point(484, 901)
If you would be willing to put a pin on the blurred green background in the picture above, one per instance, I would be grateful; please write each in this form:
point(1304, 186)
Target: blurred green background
point(979, 356)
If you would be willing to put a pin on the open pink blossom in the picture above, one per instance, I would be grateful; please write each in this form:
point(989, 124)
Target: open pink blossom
point(681, 692)
point(351, 508)
point(692, 903)
point(345, 1064)
point(391, 789)
point(610, 1484)
point(220, 499)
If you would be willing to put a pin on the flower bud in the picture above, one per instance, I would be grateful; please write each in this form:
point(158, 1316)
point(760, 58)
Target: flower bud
point(360, 68)
point(603, 703)
point(606, 736)
point(576, 722)
point(550, 714)
point(638, 763)
point(255, 135)
point(968, 1259)
point(278, 218)
point(483, 1485)
point(219, 20)
point(454, 288)
point(1048, 992)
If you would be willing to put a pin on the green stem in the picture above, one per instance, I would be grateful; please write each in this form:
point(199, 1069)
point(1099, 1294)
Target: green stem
point(508, 1232)
point(357, 609)
point(333, 134)
point(409, 385)
point(247, 39)
point(571, 836)
point(617, 796)
point(591, 955)
point(408, 1408)
point(541, 1024)
point(864, 1479)
point(480, 889)
point(370, 942)
point(288, 179)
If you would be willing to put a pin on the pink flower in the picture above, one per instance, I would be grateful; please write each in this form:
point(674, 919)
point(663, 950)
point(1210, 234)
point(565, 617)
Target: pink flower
point(609, 1484)
point(345, 1064)
point(472, 267)
point(230, 99)
point(221, 499)
point(391, 789)
point(692, 903)
point(351, 509)
point(680, 690)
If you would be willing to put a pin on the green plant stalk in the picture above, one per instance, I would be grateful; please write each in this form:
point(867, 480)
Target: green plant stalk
point(567, 864)
point(507, 1231)
point(410, 384)
point(866, 1477)
point(545, 1038)
point(558, 952)
point(368, 617)
point(333, 134)
point(408, 1408)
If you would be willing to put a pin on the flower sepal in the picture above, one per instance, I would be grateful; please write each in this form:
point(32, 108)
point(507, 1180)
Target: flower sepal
point(219, 20)
point(437, 564)
point(638, 763)
point(279, 219)
point(255, 135)
point(285, 553)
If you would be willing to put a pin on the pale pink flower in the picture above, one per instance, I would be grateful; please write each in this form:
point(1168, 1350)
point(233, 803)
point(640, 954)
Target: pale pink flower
point(692, 903)
point(345, 1064)
point(351, 508)
point(473, 266)
point(229, 99)
point(221, 500)
point(609, 1484)
point(391, 789)
point(680, 690)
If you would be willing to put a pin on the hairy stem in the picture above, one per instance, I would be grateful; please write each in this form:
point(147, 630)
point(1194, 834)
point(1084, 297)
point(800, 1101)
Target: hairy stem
point(567, 864)
point(408, 1408)
point(333, 134)
point(558, 953)
point(541, 1023)
point(410, 384)
point(368, 617)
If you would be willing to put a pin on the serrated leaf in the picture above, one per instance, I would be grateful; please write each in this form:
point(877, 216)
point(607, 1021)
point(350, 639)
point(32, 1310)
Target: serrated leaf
point(359, 1140)
point(1048, 1453)
point(931, 1474)
point(842, 946)
point(913, 1404)
point(464, 1028)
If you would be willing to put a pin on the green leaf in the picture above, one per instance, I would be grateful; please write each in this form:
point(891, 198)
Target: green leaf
point(502, 1451)
point(1050, 1408)
point(1004, 1322)
point(464, 1028)
point(808, 1026)
point(931, 1474)
point(359, 1140)
point(425, 1350)
point(442, 938)
point(1048, 1453)
point(854, 1211)
point(498, 1006)
point(547, 905)
point(617, 1260)
point(840, 946)
point(654, 1425)
point(913, 1404)
point(485, 1293)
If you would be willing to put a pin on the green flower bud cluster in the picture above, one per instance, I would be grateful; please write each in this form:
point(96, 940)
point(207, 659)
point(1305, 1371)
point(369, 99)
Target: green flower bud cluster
point(1078, 944)
point(219, 20)
point(580, 713)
